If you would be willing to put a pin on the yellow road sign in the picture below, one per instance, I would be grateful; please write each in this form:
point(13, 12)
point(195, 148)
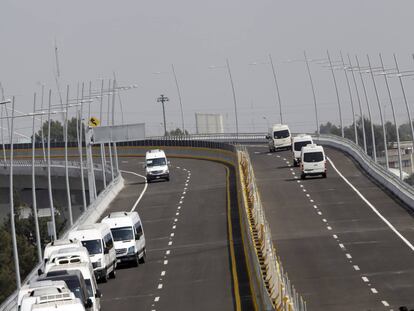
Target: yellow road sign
point(93, 122)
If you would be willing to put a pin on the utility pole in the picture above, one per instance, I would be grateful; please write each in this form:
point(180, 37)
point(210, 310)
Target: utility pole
point(162, 99)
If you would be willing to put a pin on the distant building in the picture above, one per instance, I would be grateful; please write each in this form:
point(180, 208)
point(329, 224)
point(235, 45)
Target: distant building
point(207, 123)
point(407, 157)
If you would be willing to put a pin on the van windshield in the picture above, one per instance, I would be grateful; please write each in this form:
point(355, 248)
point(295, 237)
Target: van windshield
point(156, 162)
point(298, 146)
point(75, 287)
point(313, 157)
point(93, 246)
point(281, 134)
point(122, 233)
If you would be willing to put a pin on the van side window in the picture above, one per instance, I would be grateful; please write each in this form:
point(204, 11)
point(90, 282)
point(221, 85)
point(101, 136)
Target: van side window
point(109, 243)
point(138, 230)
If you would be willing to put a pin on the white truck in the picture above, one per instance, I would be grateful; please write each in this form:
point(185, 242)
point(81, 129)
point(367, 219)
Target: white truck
point(279, 137)
point(297, 143)
point(313, 161)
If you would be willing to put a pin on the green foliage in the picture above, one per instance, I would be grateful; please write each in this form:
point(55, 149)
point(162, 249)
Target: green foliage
point(177, 132)
point(404, 131)
point(57, 131)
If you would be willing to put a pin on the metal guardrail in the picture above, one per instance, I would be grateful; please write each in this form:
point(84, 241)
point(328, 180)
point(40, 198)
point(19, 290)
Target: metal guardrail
point(275, 282)
point(11, 302)
point(399, 188)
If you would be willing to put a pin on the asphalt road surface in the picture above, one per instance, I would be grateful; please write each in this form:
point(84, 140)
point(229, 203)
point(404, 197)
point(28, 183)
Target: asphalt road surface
point(185, 223)
point(341, 251)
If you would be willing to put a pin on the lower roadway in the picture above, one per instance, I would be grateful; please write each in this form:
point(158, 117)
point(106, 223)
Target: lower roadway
point(188, 263)
point(339, 253)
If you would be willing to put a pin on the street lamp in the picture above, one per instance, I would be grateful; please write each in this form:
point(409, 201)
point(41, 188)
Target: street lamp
point(227, 66)
point(337, 94)
point(162, 99)
point(276, 84)
point(178, 93)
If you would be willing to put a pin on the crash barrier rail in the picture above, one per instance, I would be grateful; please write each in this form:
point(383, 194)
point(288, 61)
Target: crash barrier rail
point(388, 180)
point(53, 163)
point(91, 215)
point(275, 281)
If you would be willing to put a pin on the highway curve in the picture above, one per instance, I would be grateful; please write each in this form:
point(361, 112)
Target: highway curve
point(340, 252)
point(185, 221)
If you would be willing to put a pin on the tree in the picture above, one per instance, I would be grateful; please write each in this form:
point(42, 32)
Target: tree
point(177, 132)
point(57, 131)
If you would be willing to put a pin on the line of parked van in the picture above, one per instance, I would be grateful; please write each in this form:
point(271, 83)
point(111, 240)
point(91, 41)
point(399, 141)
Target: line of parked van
point(68, 278)
point(309, 156)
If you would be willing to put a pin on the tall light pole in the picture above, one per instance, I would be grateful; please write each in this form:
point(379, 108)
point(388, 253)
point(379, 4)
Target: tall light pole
point(374, 152)
point(179, 98)
point(350, 98)
point(410, 120)
point(65, 135)
point(103, 158)
point(34, 198)
point(364, 137)
point(380, 111)
point(11, 199)
point(49, 173)
point(277, 88)
point(313, 92)
point(162, 99)
point(227, 66)
point(393, 115)
point(337, 94)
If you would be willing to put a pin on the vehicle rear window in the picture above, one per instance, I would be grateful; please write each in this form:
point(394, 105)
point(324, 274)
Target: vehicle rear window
point(313, 156)
point(281, 134)
point(298, 145)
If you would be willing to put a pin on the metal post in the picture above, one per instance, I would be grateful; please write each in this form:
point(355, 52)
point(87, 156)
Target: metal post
point(11, 188)
point(42, 131)
point(234, 97)
point(313, 93)
point(113, 123)
point(69, 201)
point(2, 134)
point(277, 88)
point(108, 123)
point(49, 173)
point(351, 99)
point(364, 137)
point(80, 145)
point(380, 111)
point(337, 94)
point(405, 99)
point(89, 156)
point(34, 199)
point(103, 160)
point(393, 115)
point(374, 152)
point(179, 98)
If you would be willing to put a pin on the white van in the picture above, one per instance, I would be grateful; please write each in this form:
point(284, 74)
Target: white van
point(57, 245)
point(313, 161)
point(70, 255)
point(297, 143)
point(156, 165)
point(88, 275)
point(28, 293)
point(129, 236)
point(279, 137)
point(58, 302)
point(97, 238)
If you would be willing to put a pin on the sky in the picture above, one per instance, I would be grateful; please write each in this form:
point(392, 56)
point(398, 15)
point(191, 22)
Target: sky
point(139, 41)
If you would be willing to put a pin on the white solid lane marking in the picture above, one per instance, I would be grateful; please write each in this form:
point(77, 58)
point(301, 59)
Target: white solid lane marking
point(142, 192)
point(374, 291)
point(365, 279)
point(348, 256)
point(159, 286)
point(373, 208)
point(385, 303)
point(356, 268)
point(163, 273)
